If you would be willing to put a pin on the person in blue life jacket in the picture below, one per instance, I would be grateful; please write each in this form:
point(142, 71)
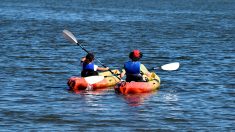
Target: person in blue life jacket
point(133, 68)
point(88, 66)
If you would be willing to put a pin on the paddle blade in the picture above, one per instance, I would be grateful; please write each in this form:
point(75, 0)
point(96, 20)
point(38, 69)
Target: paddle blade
point(94, 79)
point(171, 66)
point(69, 36)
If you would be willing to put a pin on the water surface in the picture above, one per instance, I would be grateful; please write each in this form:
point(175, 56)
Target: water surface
point(36, 62)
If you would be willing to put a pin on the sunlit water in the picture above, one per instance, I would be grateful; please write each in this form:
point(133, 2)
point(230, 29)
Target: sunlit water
point(36, 62)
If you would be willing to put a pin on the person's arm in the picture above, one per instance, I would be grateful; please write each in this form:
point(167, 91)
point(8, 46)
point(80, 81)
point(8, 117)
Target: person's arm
point(144, 70)
point(102, 68)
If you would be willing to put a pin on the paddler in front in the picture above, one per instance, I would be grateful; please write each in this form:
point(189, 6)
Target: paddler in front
point(134, 70)
point(88, 66)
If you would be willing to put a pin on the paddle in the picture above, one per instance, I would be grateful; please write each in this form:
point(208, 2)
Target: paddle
point(69, 36)
point(169, 67)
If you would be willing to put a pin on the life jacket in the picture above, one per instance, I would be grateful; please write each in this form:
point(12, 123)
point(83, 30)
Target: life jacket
point(88, 70)
point(89, 66)
point(132, 69)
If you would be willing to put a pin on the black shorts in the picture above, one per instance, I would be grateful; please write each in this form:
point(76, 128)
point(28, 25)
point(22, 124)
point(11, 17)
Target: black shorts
point(86, 73)
point(136, 78)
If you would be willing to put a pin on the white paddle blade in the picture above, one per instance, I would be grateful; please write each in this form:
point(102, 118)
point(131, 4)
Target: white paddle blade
point(171, 66)
point(69, 36)
point(94, 79)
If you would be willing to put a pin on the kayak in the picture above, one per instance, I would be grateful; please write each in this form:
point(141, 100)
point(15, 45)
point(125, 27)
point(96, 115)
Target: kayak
point(152, 84)
point(81, 83)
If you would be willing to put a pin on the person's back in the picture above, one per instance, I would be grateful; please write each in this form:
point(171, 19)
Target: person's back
point(89, 68)
point(132, 68)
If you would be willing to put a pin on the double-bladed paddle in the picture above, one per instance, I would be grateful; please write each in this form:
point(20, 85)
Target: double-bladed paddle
point(69, 36)
point(93, 79)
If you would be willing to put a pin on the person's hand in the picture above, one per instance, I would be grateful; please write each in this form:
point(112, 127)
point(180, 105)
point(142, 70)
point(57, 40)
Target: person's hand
point(83, 59)
point(107, 68)
point(120, 76)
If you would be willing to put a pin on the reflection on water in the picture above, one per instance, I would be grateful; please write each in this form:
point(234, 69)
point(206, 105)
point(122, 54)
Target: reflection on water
point(130, 99)
point(137, 99)
point(99, 91)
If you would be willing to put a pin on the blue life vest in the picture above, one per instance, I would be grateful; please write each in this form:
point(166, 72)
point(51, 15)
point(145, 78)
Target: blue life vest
point(132, 67)
point(89, 66)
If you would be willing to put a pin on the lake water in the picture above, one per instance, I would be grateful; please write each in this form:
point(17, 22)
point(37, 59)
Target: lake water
point(36, 62)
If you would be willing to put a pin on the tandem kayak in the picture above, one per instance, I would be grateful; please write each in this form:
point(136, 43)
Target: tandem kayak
point(81, 83)
point(152, 84)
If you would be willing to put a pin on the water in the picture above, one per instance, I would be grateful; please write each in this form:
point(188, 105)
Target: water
point(36, 62)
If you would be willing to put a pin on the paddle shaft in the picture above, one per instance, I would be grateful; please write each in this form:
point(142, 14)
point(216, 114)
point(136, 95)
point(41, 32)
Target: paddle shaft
point(88, 52)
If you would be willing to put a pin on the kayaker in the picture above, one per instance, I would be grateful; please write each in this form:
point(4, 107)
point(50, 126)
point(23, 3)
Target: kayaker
point(133, 69)
point(88, 66)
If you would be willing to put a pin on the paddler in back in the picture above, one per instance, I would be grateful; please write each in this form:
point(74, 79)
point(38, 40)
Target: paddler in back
point(88, 66)
point(133, 68)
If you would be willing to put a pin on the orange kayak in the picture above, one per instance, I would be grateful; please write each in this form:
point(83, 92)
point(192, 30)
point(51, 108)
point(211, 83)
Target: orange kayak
point(138, 87)
point(80, 83)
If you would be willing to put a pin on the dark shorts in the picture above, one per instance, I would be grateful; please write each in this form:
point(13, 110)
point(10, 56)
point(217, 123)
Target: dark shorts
point(136, 78)
point(86, 73)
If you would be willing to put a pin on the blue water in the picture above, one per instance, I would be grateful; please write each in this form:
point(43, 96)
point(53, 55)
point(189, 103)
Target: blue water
point(36, 62)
